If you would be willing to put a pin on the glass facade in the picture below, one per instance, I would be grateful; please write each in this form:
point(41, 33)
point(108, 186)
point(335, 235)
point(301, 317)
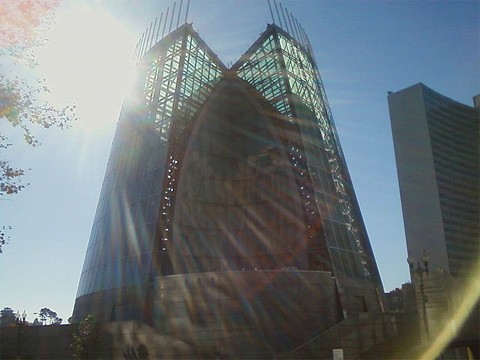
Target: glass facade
point(225, 169)
point(175, 77)
point(285, 73)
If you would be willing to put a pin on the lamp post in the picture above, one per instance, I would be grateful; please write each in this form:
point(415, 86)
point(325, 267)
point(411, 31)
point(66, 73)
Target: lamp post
point(419, 271)
point(20, 321)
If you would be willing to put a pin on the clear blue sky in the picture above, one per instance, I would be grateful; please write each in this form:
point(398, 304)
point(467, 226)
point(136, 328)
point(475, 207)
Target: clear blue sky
point(363, 49)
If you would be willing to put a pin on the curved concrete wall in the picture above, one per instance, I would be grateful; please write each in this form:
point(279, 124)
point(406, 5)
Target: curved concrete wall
point(240, 312)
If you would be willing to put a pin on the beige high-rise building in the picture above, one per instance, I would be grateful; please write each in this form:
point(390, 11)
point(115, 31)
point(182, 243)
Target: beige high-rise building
point(437, 152)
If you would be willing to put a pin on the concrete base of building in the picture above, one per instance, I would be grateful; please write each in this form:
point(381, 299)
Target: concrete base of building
point(351, 338)
point(246, 312)
point(287, 314)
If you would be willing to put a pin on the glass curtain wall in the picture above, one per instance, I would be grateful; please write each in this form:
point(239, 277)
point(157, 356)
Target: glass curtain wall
point(175, 77)
point(285, 73)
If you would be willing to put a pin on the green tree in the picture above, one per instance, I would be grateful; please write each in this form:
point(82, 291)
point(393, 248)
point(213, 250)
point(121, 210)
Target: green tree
point(47, 315)
point(7, 317)
point(43, 315)
point(22, 28)
point(83, 338)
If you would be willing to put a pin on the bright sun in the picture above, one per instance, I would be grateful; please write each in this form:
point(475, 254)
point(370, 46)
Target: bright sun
point(88, 60)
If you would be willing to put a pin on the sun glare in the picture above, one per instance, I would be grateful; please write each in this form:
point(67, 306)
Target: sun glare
point(88, 59)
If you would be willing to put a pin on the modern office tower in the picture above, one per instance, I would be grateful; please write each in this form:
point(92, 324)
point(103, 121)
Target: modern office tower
point(227, 218)
point(437, 151)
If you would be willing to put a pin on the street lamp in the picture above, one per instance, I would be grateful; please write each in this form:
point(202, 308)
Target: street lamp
point(419, 271)
point(20, 320)
point(411, 264)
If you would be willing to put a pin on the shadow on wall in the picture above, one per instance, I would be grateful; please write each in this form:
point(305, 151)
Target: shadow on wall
point(140, 353)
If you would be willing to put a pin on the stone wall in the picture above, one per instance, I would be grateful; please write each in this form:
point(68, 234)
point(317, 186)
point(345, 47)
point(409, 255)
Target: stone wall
point(36, 342)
